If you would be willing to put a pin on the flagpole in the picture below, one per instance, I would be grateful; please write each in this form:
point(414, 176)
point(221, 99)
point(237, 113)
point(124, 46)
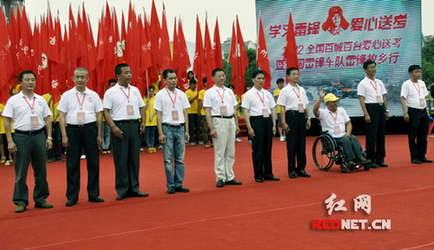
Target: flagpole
point(257, 42)
point(236, 51)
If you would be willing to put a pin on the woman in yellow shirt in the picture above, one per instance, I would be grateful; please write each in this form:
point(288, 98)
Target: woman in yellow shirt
point(151, 120)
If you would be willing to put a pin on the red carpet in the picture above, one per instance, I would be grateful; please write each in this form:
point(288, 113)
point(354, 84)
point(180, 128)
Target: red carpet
point(270, 215)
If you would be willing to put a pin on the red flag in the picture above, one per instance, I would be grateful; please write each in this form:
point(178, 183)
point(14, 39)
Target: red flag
point(199, 55)
point(5, 59)
point(165, 54)
point(175, 50)
point(210, 63)
point(155, 44)
point(145, 55)
point(14, 33)
point(23, 50)
point(262, 56)
point(52, 53)
point(238, 59)
point(90, 51)
point(184, 59)
point(217, 48)
point(290, 54)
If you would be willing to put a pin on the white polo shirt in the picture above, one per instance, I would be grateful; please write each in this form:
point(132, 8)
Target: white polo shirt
point(259, 102)
point(373, 91)
point(19, 107)
point(414, 94)
point(80, 108)
point(124, 103)
point(334, 123)
point(220, 99)
point(172, 105)
point(293, 98)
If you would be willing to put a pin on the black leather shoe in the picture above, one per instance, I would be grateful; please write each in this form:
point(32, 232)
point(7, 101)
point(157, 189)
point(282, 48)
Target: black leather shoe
point(259, 180)
point(271, 178)
point(71, 203)
point(220, 183)
point(233, 182)
point(121, 197)
point(303, 173)
point(373, 165)
point(292, 175)
point(96, 199)
point(182, 189)
point(382, 164)
point(425, 160)
point(416, 161)
point(171, 190)
point(140, 194)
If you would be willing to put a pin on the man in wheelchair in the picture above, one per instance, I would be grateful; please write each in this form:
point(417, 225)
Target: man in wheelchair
point(336, 122)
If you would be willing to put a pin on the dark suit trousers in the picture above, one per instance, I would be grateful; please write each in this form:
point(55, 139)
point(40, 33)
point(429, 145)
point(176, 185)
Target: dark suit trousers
point(126, 157)
point(376, 133)
point(296, 140)
point(261, 146)
point(417, 132)
point(82, 137)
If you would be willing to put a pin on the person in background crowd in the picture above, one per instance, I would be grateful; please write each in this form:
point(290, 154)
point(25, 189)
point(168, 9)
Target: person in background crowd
point(205, 135)
point(55, 153)
point(232, 87)
point(193, 114)
point(279, 83)
point(151, 122)
point(105, 134)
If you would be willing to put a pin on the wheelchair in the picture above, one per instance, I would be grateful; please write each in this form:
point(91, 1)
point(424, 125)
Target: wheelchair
point(326, 151)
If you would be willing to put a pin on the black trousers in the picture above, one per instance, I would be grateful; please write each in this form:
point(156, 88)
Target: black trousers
point(126, 157)
point(194, 127)
point(376, 133)
point(296, 140)
point(82, 138)
point(417, 132)
point(261, 146)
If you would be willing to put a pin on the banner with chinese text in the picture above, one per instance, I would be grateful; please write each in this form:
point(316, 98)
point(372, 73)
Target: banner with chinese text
point(335, 37)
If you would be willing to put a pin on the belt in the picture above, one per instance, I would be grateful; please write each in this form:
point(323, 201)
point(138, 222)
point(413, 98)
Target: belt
point(419, 110)
point(81, 125)
point(223, 116)
point(173, 126)
point(128, 121)
point(293, 112)
point(32, 132)
point(374, 104)
point(259, 117)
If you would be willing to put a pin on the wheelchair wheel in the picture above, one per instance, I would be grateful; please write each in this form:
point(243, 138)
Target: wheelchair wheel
point(343, 169)
point(323, 152)
point(366, 167)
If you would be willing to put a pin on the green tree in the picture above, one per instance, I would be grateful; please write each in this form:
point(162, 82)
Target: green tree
point(428, 62)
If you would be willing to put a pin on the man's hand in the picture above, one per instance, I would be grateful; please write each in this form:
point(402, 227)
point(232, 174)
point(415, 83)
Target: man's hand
point(406, 118)
point(251, 132)
point(321, 93)
point(187, 137)
point(117, 132)
point(285, 128)
point(48, 144)
point(12, 148)
point(162, 138)
point(212, 133)
point(99, 141)
point(367, 118)
point(308, 124)
point(142, 127)
point(65, 141)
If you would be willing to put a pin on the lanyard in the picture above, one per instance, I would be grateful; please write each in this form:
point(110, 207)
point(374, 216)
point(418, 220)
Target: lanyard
point(221, 97)
point(82, 101)
point(173, 100)
point(334, 118)
point(375, 87)
point(417, 88)
point(298, 95)
point(262, 99)
point(32, 108)
point(128, 96)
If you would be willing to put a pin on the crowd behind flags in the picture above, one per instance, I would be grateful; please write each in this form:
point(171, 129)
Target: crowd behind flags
point(54, 57)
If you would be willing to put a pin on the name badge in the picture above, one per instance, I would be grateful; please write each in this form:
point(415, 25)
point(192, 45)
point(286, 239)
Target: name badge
point(379, 99)
point(175, 116)
point(80, 117)
point(300, 108)
point(34, 121)
point(130, 110)
point(223, 110)
point(422, 102)
point(265, 112)
point(337, 129)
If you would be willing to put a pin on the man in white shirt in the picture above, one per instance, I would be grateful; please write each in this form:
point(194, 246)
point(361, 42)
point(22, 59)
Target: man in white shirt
point(413, 96)
point(294, 112)
point(335, 121)
point(30, 114)
point(221, 115)
point(171, 105)
point(372, 98)
point(80, 107)
point(260, 117)
point(123, 107)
